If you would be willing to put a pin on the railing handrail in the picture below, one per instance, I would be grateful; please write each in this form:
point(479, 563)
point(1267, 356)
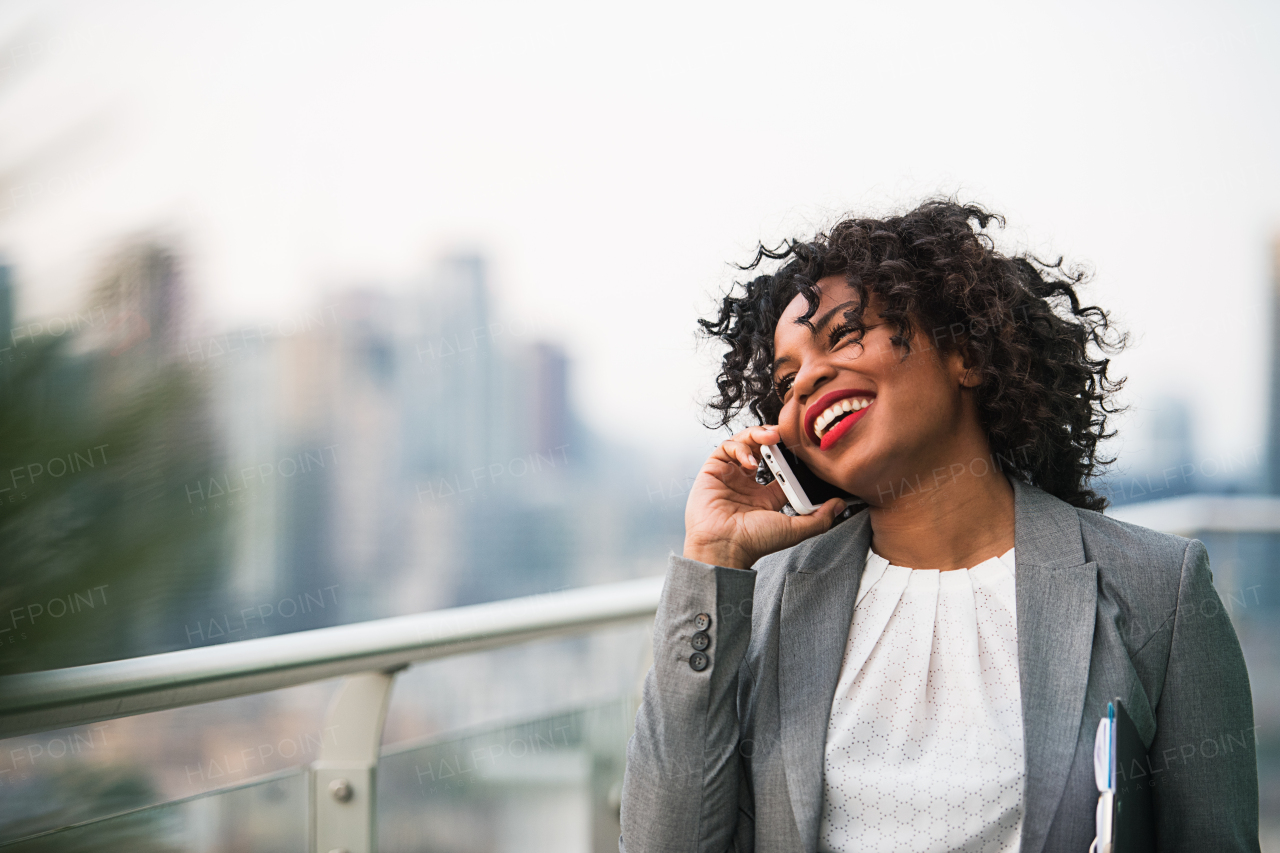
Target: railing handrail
point(40, 701)
point(52, 699)
point(368, 653)
point(1187, 515)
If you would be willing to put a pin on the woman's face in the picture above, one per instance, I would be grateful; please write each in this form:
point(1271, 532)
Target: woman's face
point(904, 416)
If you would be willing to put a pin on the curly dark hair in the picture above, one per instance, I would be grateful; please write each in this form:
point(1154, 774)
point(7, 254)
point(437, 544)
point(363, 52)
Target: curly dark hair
point(1044, 399)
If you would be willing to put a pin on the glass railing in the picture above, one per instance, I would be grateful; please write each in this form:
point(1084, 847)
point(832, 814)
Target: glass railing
point(551, 784)
point(265, 815)
point(508, 732)
point(537, 693)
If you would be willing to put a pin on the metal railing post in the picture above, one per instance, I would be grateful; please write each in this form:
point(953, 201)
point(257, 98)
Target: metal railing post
point(343, 790)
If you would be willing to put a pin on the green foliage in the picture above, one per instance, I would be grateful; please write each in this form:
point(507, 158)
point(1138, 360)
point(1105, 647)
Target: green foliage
point(96, 448)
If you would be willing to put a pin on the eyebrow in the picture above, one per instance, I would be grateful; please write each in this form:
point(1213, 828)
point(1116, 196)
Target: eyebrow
point(823, 321)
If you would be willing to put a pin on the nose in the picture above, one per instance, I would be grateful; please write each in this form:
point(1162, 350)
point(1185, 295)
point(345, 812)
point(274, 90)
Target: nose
point(813, 374)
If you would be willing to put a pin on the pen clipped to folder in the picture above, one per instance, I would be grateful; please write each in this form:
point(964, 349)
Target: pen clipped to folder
point(1124, 819)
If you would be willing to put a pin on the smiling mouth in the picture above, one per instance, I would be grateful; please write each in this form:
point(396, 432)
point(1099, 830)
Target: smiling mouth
point(839, 418)
point(833, 408)
point(837, 412)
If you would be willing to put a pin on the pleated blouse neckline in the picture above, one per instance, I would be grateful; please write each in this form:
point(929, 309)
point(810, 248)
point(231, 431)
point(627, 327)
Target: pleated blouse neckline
point(924, 742)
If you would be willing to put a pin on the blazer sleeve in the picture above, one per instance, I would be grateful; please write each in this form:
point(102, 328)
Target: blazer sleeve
point(684, 783)
point(1203, 758)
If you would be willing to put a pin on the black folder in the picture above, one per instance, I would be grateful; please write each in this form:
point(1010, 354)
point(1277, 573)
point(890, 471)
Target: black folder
point(1132, 818)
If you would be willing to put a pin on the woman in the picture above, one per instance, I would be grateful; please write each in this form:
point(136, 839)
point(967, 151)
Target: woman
point(927, 673)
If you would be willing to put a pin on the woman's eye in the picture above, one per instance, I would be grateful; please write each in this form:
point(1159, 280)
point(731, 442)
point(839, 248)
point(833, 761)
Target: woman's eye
point(841, 332)
point(783, 386)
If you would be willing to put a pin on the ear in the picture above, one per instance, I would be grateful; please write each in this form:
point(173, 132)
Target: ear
point(963, 366)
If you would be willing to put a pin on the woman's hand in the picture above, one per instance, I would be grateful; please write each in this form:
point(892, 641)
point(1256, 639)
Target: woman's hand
point(731, 520)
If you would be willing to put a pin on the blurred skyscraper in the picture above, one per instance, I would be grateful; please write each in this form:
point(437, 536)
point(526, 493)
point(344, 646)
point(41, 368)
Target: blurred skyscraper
point(436, 458)
point(548, 385)
point(144, 297)
point(489, 437)
point(1273, 420)
point(1172, 447)
point(6, 305)
point(451, 383)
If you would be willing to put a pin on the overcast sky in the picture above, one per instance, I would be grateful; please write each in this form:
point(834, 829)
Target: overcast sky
point(611, 160)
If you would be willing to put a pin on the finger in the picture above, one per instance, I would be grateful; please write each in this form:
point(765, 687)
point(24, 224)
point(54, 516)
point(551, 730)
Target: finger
point(820, 520)
point(727, 472)
point(733, 476)
point(760, 432)
point(733, 451)
point(739, 452)
point(767, 433)
point(753, 437)
point(742, 484)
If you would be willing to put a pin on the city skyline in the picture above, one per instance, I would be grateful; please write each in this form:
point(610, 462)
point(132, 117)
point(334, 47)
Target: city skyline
point(359, 179)
point(354, 379)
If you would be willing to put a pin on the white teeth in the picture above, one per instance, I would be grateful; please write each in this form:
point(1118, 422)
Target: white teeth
point(823, 420)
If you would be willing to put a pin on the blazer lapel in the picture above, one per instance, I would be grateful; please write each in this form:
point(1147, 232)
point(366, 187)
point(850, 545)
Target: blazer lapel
point(817, 610)
point(1056, 594)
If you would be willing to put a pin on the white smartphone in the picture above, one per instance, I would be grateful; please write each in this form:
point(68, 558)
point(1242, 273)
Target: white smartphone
point(787, 479)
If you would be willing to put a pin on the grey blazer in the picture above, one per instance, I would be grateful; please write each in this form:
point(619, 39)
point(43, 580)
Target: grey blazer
point(729, 756)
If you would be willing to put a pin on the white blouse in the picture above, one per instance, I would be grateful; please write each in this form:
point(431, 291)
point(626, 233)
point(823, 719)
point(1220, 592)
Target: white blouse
point(924, 743)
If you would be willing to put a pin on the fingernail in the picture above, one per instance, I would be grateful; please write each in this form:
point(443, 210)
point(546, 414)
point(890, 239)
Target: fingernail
point(751, 457)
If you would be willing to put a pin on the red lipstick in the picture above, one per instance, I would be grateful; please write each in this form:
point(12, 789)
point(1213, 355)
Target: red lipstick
point(823, 402)
point(831, 436)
